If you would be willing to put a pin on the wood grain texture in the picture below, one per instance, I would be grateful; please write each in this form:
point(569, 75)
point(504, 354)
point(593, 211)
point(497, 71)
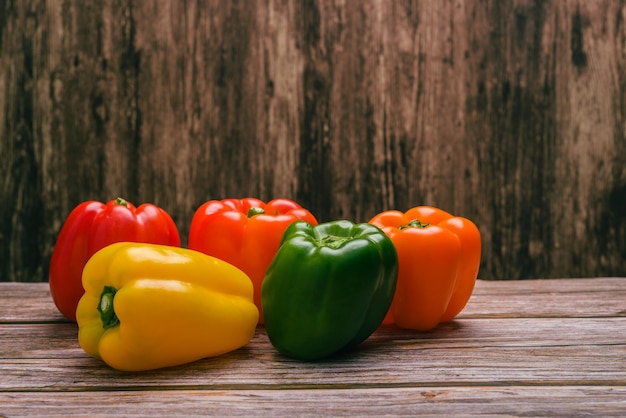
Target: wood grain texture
point(520, 299)
point(520, 348)
point(471, 353)
point(511, 113)
point(425, 401)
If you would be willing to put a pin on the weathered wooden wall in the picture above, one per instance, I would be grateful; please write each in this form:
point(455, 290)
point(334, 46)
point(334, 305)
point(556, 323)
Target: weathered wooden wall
point(511, 113)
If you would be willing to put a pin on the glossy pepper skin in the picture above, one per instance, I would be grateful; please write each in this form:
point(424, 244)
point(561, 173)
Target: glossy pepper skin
point(93, 225)
point(245, 232)
point(439, 257)
point(149, 306)
point(328, 288)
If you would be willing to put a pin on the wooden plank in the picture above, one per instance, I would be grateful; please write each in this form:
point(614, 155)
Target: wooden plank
point(603, 297)
point(27, 302)
point(24, 340)
point(469, 352)
point(29, 290)
point(428, 400)
point(588, 286)
point(438, 368)
point(599, 297)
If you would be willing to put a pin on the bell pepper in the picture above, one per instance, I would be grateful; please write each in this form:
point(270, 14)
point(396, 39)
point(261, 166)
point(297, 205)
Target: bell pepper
point(93, 225)
point(328, 288)
point(148, 306)
point(439, 257)
point(245, 232)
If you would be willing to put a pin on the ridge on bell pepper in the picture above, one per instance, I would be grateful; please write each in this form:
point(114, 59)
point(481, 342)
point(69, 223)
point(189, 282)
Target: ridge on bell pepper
point(439, 257)
point(93, 225)
point(328, 288)
point(245, 232)
point(149, 306)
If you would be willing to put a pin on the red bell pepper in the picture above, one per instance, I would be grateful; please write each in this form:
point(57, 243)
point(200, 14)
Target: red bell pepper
point(245, 232)
point(93, 225)
point(439, 257)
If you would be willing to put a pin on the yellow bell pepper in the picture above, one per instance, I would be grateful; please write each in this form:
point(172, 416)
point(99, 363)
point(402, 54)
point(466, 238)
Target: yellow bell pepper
point(149, 306)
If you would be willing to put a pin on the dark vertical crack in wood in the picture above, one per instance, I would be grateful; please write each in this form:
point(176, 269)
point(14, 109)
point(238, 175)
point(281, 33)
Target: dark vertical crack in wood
point(130, 68)
point(315, 174)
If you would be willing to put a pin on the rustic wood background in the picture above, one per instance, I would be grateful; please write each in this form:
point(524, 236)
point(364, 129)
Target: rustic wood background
point(511, 113)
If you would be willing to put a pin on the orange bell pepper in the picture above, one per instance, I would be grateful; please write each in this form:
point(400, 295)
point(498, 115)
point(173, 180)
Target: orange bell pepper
point(439, 257)
point(245, 233)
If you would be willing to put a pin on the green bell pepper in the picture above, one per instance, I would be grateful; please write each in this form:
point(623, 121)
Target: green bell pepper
point(328, 288)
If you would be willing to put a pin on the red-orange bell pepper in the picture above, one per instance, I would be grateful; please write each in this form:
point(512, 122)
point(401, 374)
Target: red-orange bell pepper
point(245, 233)
point(439, 257)
point(92, 226)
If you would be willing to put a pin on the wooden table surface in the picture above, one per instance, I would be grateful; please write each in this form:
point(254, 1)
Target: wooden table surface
point(520, 348)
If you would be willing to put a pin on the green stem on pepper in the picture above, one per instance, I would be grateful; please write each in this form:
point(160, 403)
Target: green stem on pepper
point(105, 307)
